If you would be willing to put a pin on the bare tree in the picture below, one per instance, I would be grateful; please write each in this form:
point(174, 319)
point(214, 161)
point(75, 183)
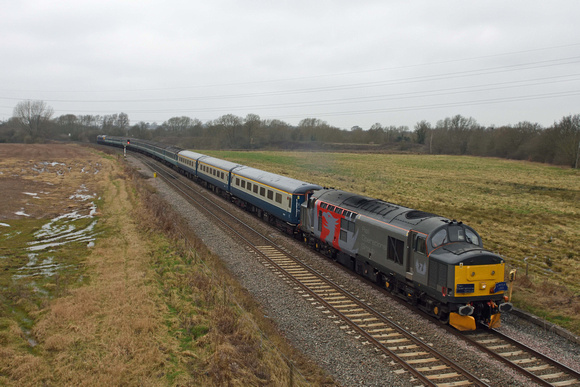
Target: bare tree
point(252, 123)
point(122, 122)
point(567, 140)
point(178, 125)
point(33, 117)
point(422, 129)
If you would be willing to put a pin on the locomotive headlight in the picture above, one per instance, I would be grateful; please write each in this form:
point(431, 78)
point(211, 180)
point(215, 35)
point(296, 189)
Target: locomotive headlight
point(482, 285)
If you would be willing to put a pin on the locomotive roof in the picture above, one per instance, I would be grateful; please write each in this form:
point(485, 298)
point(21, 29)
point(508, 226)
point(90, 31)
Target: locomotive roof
point(280, 182)
point(191, 155)
point(383, 211)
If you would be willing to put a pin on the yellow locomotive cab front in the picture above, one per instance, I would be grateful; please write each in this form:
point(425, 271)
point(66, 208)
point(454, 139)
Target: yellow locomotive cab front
point(480, 285)
point(479, 280)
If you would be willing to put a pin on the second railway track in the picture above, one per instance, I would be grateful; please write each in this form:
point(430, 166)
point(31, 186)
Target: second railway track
point(538, 367)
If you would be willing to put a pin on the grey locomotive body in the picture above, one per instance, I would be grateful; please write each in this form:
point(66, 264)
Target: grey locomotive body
point(424, 258)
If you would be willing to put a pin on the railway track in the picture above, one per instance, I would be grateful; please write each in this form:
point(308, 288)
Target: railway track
point(423, 364)
point(538, 367)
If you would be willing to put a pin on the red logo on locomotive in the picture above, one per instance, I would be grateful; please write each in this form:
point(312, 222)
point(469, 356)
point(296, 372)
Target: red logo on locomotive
point(330, 227)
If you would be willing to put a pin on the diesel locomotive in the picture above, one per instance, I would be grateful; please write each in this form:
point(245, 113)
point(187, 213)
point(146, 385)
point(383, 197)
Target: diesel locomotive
point(435, 263)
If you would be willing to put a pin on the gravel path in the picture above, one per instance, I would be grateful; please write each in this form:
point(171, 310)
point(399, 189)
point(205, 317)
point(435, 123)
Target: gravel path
point(341, 354)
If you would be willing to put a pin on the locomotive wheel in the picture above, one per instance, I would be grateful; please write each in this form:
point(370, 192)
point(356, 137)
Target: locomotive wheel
point(443, 317)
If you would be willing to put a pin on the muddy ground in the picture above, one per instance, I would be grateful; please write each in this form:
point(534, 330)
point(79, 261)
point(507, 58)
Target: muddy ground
point(40, 181)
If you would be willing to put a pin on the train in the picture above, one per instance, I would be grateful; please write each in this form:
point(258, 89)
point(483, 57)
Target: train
point(437, 264)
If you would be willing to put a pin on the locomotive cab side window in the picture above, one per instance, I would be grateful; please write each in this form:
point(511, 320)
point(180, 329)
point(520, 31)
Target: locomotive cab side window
point(420, 244)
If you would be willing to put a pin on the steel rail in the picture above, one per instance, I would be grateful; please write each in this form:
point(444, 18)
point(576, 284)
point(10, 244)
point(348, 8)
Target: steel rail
point(535, 360)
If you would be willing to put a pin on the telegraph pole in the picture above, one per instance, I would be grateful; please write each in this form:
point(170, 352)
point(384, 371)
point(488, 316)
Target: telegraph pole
point(577, 155)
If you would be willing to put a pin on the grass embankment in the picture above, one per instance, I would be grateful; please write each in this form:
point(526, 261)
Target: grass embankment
point(527, 212)
point(143, 308)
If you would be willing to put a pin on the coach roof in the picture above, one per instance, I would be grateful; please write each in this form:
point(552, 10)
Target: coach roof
point(218, 163)
point(191, 155)
point(273, 180)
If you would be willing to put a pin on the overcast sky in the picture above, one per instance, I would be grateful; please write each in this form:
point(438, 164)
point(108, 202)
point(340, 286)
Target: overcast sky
point(345, 62)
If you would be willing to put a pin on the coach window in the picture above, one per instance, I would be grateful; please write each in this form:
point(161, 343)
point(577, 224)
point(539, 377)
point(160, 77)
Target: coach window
point(249, 186)
point(270, 194)
point(244, 184)
point(237, 181)
point(223, 175)
point(256, 188)
point(262, 191)
point(279, 197)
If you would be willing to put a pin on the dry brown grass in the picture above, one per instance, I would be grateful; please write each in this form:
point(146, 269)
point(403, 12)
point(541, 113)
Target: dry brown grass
point(147, 312)
point(219, 342)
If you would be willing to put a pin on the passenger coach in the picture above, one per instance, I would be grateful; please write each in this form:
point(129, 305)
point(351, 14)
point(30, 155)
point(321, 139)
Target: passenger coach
point(270, 194)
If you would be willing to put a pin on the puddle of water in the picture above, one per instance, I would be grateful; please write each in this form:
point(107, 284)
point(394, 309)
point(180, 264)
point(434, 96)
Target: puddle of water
point(37, 266)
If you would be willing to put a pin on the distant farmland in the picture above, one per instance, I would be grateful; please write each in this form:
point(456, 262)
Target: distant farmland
point(522, 210)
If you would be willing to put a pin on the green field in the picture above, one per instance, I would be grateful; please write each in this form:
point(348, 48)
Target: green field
point(522, 210)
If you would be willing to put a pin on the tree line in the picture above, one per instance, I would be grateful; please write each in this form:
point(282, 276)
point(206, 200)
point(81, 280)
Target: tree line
point(559, 144)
